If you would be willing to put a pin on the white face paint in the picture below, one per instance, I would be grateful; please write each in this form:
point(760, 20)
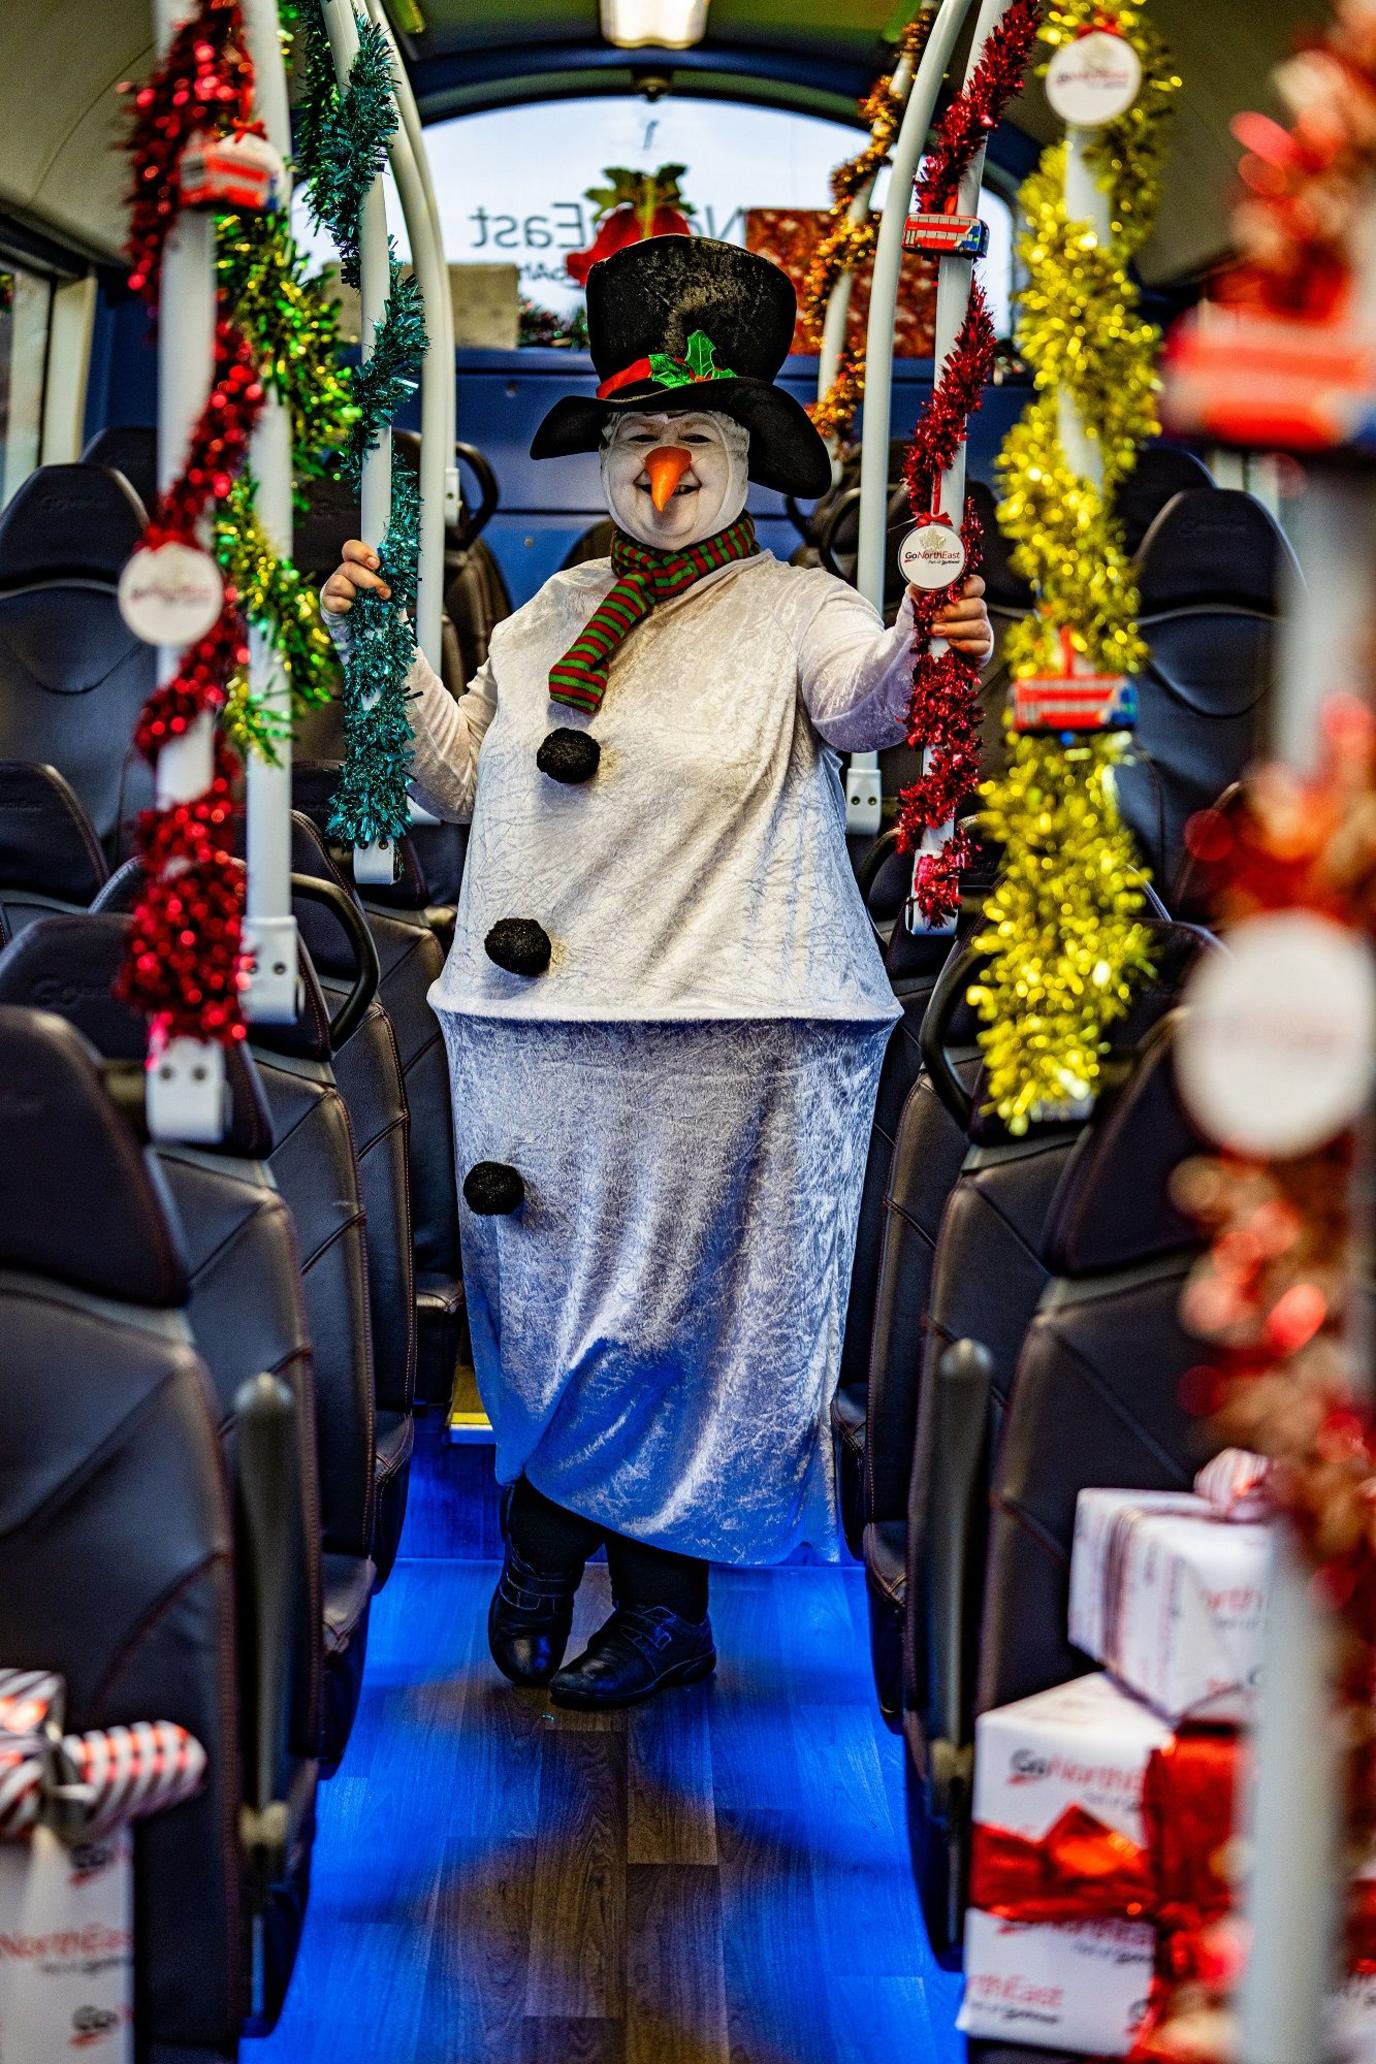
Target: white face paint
point(709, 496)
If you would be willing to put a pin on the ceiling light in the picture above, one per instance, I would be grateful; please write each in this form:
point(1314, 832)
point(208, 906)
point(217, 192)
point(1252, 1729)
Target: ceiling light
point(666, 24)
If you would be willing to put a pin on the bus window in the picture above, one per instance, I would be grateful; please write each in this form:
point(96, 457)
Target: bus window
point(25, 309)
point(512, 185)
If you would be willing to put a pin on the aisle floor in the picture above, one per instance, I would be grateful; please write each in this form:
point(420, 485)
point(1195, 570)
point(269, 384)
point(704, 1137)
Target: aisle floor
point(717, 1878)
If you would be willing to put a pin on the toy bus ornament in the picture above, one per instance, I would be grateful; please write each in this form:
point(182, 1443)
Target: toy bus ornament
point(238, 174)
point(946, 236)
point(1075, 699)
point(1275, 383)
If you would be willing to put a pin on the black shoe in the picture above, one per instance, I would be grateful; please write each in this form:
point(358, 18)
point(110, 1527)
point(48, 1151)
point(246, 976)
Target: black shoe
point(640, 1650)
point(529, 1619)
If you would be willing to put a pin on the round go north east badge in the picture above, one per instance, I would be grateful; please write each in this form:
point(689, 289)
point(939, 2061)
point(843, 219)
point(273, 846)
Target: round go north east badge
point(932, 556)
point(170, 594)
point(1094, 79)
point(1274, 1051)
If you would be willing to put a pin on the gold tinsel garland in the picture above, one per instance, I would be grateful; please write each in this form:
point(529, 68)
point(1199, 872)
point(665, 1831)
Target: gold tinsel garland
point(1063, 927)
point(845, 245)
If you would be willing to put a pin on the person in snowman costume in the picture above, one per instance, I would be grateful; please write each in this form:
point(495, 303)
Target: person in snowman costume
point(664, 1009)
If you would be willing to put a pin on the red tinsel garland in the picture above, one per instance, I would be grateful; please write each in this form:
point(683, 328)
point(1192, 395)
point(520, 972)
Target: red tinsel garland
point(183, 964)
point(976, 112)
point(944, 718)
point(205, 82)
point(219, 441)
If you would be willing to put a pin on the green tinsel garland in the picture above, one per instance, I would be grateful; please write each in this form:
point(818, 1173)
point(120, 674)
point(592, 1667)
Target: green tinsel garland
point(343, 137)
point(264, 276)
point(388, 377)
point(343, 140)
point(371, 803)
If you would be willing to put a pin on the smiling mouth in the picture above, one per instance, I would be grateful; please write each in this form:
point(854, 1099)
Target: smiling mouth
point(687, 487)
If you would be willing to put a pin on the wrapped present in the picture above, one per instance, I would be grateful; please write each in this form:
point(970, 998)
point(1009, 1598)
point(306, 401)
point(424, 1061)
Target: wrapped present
point(789, 238)
point(1171, 1597)
point(1059, 1946)
point(66, 1868)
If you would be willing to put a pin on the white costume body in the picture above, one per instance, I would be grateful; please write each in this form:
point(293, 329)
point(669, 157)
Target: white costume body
point(688, 1091)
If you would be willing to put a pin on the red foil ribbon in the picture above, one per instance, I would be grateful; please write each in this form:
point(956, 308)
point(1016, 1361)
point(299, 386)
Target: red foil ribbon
point(1083, 1870)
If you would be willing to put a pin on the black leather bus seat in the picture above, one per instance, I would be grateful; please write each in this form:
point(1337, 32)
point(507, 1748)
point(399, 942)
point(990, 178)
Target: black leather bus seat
point(245, 1305)
point(985, 1278)
point(106, 1420)
point(72, 677)
point(1097, 1395)
point(368, 1070)
point(50, 857)
point(1212, 571)
point(407, 931)
point(312, 1162)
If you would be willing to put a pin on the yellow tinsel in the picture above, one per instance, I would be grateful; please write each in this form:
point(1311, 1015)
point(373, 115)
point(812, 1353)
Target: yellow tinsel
point(1063, 926)
point(275, 599)
point(845, 246)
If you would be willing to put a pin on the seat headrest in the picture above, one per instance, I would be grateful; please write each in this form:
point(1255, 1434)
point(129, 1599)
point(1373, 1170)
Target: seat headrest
point(1218, 546)
point(81, 1202)
point(1113, 1204)
point(329, 946)
point(331, 514)
point(1162, 472)
point(69, 523)
point(47, 843)
point(130, 449)
point(68, 965)
point(308, 1039)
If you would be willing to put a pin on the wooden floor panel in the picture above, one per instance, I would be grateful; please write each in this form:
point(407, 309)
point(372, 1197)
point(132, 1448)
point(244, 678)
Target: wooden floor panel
point(717, 1878)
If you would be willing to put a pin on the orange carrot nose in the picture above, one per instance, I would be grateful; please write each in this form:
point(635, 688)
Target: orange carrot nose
point(666, 466)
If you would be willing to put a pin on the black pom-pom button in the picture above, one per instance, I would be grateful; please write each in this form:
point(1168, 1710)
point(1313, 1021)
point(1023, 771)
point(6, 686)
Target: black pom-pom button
point(519, 945)
point(568, 755)
point(493, 1190)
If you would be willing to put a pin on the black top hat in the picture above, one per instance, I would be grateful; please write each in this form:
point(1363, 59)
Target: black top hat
point(678, 324)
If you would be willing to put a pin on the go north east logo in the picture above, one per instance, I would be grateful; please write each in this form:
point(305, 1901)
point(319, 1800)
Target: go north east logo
point(92, 2025)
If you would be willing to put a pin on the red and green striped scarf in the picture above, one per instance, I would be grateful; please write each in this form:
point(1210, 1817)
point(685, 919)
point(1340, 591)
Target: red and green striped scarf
point(644, 577)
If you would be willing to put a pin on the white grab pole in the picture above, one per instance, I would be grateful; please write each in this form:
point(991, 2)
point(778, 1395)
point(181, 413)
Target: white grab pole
point(838, 301)
point(185, 1094)
point(375, 863)
point(442, 327)
point(427, 259)
point(270, 929)
point(888, 259)
point(1294, 1809)
point(953, 278)
point(864, 799)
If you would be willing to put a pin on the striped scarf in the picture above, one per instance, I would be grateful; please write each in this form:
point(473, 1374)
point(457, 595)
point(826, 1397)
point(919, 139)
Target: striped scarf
point(644, 577)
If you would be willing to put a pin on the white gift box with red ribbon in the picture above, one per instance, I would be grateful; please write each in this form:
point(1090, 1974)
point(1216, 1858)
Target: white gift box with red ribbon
point(66, 1899)
point(1168, 1591)
point(1079, 1985)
